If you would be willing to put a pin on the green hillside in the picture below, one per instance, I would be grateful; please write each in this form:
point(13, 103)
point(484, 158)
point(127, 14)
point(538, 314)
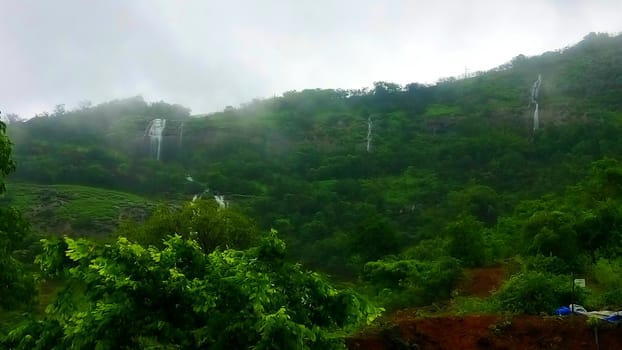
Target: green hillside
point(434, 149)
point(74, 209)
point(394, 191)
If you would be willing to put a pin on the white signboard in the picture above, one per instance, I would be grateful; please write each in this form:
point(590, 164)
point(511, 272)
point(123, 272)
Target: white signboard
point(579, 282)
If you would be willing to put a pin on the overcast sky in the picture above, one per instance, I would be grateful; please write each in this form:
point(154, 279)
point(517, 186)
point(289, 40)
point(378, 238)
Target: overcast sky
point(208, 54)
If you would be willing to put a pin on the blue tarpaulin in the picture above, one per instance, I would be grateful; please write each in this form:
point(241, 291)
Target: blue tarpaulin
point(605, 315)
point(563, 311)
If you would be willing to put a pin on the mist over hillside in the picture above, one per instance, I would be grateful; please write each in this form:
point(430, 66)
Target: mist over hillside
point(396, 189)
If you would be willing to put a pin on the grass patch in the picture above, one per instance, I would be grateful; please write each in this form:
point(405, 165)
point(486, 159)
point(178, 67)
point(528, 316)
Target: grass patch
point(437, 110)
point(73, 208)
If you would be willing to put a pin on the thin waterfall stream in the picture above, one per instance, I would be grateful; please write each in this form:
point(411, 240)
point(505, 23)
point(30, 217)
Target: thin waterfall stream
point(154, 132)
point(535, 91)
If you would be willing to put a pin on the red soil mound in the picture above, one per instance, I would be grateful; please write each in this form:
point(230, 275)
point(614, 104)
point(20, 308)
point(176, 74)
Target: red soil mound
point(481, 282)
point(488, 332)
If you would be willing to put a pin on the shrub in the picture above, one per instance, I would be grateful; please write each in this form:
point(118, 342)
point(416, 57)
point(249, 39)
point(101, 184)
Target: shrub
point(412, 282)
point(608, 273)
point(533, 292)
point(546, 264)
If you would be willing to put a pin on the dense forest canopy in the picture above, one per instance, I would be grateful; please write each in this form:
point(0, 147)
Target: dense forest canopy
point(394, 190)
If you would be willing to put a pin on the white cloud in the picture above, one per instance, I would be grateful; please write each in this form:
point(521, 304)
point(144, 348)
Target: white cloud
point(208, 54)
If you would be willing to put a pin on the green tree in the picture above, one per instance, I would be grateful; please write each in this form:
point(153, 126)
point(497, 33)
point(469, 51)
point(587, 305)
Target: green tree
point(408, 282)
point(201, 220)
point(374, 237)
point(467, 241)
point(533, 292)
point(122, 295)
point(16, 284)
point(551, 233)
point(6, 162)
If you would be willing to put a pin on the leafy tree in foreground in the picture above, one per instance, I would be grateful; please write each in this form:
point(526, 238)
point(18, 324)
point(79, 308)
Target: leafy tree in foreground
point(16, 286)
point(123, 295)
point(6, 162)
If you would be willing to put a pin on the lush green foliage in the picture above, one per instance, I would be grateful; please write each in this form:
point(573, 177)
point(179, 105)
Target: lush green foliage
point(74, 209)
point(6, 162)
point(455, 177)
point(178, 296)
point(201, 220)
point(459, 149)
point(16, 284)
point(533, 292)
point(608, 274)
point(403, 283)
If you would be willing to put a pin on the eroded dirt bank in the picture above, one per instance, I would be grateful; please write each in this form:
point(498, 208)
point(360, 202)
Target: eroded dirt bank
point(488, 332)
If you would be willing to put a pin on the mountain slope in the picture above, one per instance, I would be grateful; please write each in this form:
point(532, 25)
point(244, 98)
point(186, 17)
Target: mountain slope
point(75, 210)
point(462, 149)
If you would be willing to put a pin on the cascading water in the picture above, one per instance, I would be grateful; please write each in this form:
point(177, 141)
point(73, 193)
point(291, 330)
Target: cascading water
point(535, 91)
point(154, 132)
point(536, 119)
point(221, 201)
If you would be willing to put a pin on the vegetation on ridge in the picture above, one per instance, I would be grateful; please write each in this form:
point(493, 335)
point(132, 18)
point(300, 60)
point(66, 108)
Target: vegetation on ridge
point(455, 178)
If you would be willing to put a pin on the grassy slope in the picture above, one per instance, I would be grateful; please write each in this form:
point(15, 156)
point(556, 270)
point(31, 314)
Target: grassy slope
point(73, 208)
point(68, 209)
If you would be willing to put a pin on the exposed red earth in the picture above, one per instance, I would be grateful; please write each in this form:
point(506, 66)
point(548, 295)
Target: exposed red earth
point(482, 282)
point(489, 332)
point(405, 329)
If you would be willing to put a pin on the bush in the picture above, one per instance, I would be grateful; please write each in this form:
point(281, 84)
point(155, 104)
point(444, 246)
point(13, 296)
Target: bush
point(546, 264)
point(427, 250)
point(608, 273)
point(533, 292)
point(403, 283)
point(466, 241)
point(201, 220)
point(474, 305)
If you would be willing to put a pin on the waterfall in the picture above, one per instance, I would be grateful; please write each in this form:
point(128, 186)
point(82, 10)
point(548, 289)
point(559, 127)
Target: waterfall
point(221, 201)
point(181, 134)
point(369, 126)
point(154, 131)
point(535, 91)
point(536, 118)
